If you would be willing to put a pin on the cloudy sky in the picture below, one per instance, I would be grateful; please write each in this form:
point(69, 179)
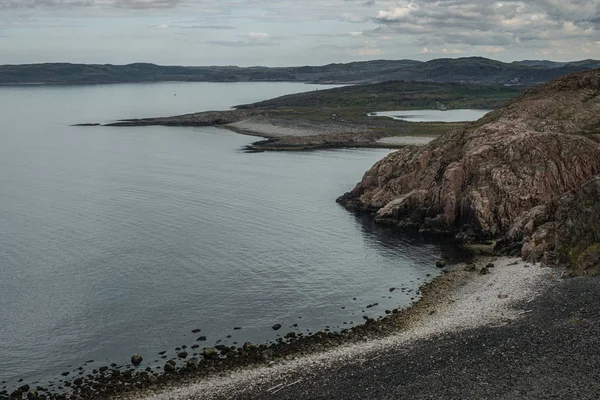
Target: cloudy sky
point(286, 32)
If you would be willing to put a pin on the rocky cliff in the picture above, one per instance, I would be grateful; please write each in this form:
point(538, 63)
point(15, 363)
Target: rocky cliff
point(508, 175)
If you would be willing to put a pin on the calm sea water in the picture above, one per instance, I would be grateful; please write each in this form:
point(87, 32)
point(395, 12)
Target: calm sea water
point(115, 241)
point(434, 115)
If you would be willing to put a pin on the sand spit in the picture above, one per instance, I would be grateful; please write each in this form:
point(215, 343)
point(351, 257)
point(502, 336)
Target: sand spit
point(457, 301)
point(279, 128)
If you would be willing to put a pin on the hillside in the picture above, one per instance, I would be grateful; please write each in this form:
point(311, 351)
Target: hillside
point(470, 70)
point(525, 173)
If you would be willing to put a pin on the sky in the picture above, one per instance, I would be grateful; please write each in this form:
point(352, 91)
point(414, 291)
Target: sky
point(289, 33)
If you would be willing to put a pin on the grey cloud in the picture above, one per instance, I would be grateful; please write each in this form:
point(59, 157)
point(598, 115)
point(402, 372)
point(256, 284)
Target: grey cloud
point(7, 4)
point(242, 43)
point(143, 4)
point(215, 27)
point(484, 22)
point(134, 4)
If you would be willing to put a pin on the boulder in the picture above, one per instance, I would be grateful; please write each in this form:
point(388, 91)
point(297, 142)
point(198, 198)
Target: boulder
point(210, 353)
point(136, 359)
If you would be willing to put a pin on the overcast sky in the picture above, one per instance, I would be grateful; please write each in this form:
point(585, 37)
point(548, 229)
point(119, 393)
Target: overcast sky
point(285, 32)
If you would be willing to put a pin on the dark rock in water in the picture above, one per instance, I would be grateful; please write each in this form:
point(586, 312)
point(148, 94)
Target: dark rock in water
point(195, 346)
point(276, 327)
point(170, 367)
point(115, 373)
point(440, 264)
point(237, 328)
point(24, 388)
point(196, 330)
point(78, 381)
point(392, 289)
point(17, 394)
point(201, 339)
point(102, 369)
point(65, 373)
point(33, 395)
point(182, 354)
point(210, 353)
point(136, 359)
point(290, 335)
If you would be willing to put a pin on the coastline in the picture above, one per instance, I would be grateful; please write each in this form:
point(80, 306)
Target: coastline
point(459, 300)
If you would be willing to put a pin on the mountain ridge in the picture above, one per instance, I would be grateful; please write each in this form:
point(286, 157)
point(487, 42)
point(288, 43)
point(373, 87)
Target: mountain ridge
point(468, 70)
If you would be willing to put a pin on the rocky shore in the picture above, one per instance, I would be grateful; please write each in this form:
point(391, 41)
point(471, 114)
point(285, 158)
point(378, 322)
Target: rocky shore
point(525, 175)
point(485, 295)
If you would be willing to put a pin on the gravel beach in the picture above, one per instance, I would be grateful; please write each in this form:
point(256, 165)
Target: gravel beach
point(519, 331)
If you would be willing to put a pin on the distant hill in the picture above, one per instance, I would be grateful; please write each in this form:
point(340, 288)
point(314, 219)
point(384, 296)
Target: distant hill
point(468, 70)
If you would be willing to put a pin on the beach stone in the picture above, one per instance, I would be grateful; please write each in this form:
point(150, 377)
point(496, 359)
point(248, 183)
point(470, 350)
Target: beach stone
point(192, 363)
point(136, 359)
point(17, 394)
point(24, 388)
point(470, 267)
point(276, 327)
point(484, 271)
point(290, 335)
point(440, 264)
point(210, 353)
point(490, 265)
point(248, 346)
point(201, 339)
point(33, 395)
point(392, 289)
point(170, 367)
point(182, 354)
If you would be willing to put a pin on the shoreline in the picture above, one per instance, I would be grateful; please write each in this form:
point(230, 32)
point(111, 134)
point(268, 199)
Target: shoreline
point(456, 301)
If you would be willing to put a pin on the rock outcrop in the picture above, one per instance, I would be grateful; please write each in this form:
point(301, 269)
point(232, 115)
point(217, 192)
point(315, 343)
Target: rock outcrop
point(502, 176)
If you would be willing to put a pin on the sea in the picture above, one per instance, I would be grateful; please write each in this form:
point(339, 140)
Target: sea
point(116, 241)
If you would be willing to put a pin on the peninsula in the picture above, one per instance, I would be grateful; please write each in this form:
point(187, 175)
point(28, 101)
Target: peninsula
point(342, 117)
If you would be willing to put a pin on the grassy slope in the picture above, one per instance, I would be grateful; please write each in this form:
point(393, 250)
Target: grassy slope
point(352, 104)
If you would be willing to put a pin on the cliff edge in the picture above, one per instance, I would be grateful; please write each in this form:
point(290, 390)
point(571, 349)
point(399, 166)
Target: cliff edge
point(512, 175)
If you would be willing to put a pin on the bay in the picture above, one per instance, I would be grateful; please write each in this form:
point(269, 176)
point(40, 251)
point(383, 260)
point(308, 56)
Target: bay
point(115, 241)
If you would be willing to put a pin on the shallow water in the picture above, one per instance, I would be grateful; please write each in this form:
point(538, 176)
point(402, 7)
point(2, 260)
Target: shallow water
point(434, 115)
point(115, 241)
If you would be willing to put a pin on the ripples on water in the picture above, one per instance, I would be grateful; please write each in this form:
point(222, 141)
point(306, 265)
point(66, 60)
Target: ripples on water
point(116, 241)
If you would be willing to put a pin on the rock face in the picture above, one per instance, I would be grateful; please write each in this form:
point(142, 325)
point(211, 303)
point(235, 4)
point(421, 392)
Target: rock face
point(505, 169)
